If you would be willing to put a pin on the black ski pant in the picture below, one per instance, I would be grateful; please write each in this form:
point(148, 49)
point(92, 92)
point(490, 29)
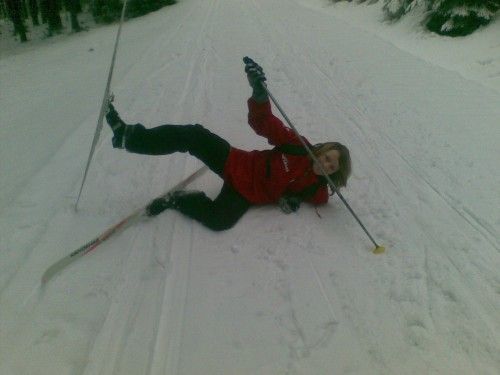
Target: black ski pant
point(229, 206)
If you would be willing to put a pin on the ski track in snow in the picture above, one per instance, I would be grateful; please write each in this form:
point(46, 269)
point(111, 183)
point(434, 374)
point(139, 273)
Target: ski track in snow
point(163, 356)
point(278, 294)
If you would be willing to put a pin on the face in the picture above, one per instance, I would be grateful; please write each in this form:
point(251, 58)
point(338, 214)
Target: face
point(330, 162)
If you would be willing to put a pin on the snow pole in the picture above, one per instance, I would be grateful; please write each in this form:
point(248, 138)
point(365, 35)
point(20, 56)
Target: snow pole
point(378, 249)
point(104, 105)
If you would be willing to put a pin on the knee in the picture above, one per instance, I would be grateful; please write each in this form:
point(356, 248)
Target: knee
point(195, 134)
point(197, 128)
point(220, 225)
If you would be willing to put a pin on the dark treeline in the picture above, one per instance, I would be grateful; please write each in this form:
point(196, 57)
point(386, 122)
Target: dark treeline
point(106, 11)
point(23, 13)
point(444, 17)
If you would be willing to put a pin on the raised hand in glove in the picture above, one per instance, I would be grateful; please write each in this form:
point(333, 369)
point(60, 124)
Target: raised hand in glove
point(256, 77)
point(289, 203)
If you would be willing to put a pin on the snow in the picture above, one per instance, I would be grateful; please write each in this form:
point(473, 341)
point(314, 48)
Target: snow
point(277, 294)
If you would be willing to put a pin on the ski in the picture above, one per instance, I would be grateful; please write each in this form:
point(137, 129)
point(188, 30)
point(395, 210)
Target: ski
point(122, 224)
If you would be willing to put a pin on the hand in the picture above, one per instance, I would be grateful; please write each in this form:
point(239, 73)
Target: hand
point(254, 72)
point(256, 78)
point(289, 204)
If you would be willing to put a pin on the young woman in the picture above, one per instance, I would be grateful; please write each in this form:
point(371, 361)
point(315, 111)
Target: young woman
point(285, 175)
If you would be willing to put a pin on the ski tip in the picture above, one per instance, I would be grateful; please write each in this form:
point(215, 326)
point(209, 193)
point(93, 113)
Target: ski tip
point(379, 250)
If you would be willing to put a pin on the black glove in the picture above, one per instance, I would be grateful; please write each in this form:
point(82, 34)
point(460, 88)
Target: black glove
point(157, 206)
point(256, 77)
point(289, 203)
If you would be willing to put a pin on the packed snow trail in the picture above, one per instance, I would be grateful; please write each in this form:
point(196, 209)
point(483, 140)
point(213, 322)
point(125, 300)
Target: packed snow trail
point(278, 294)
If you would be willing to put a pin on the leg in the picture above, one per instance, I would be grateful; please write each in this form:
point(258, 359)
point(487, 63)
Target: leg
point(166, 139)
point(219, 214)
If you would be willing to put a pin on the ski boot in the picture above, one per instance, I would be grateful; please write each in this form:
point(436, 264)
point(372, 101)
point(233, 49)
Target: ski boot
point(158, 205)
point(117, 126)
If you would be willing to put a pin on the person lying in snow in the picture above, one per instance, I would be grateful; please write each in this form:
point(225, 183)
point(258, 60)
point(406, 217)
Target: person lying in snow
point(285, 175)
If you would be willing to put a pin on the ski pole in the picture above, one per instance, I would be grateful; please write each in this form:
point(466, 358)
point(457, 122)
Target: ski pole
point(378, 249)
point(104, 106)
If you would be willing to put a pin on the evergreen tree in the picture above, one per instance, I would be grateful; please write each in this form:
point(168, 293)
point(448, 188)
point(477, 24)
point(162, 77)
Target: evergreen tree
point(105, 11)
point(74, 7)
point(3, 11)
point(460, 17)
point(395, 9)
point(138, 8)
point(14, 10)
point(447, 17)
point(33, 10)
point(50, 15)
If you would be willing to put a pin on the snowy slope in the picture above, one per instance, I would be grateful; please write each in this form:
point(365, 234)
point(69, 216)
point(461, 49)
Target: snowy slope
point(278, 294)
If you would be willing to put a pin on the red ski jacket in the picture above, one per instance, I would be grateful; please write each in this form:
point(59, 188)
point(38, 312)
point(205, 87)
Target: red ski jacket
point(262, 177)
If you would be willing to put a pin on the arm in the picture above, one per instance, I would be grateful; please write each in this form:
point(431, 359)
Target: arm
point(260, 117)
point(265, 124)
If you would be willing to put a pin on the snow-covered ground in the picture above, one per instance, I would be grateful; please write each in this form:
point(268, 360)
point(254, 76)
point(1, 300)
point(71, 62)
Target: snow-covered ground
point(278, 294)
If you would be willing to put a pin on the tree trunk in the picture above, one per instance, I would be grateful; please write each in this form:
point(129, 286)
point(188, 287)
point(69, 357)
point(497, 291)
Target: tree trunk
point(24, 10)
point(3, 11)
point(50, 11)
point(14, 10)
point(75, 26)
point(74, 7)
point(33, 6)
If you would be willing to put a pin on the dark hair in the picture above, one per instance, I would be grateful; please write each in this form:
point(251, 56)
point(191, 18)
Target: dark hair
point(340, 177)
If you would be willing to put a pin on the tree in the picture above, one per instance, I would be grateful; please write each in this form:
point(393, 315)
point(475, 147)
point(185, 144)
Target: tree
point(50, 15)
point(395, 9)
point(447, 17)
point(73, 7)
point(3, 11)
point(105, 11)
point(33, 8)
point(460, 17)
point(14, 10)
point(138, 8)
